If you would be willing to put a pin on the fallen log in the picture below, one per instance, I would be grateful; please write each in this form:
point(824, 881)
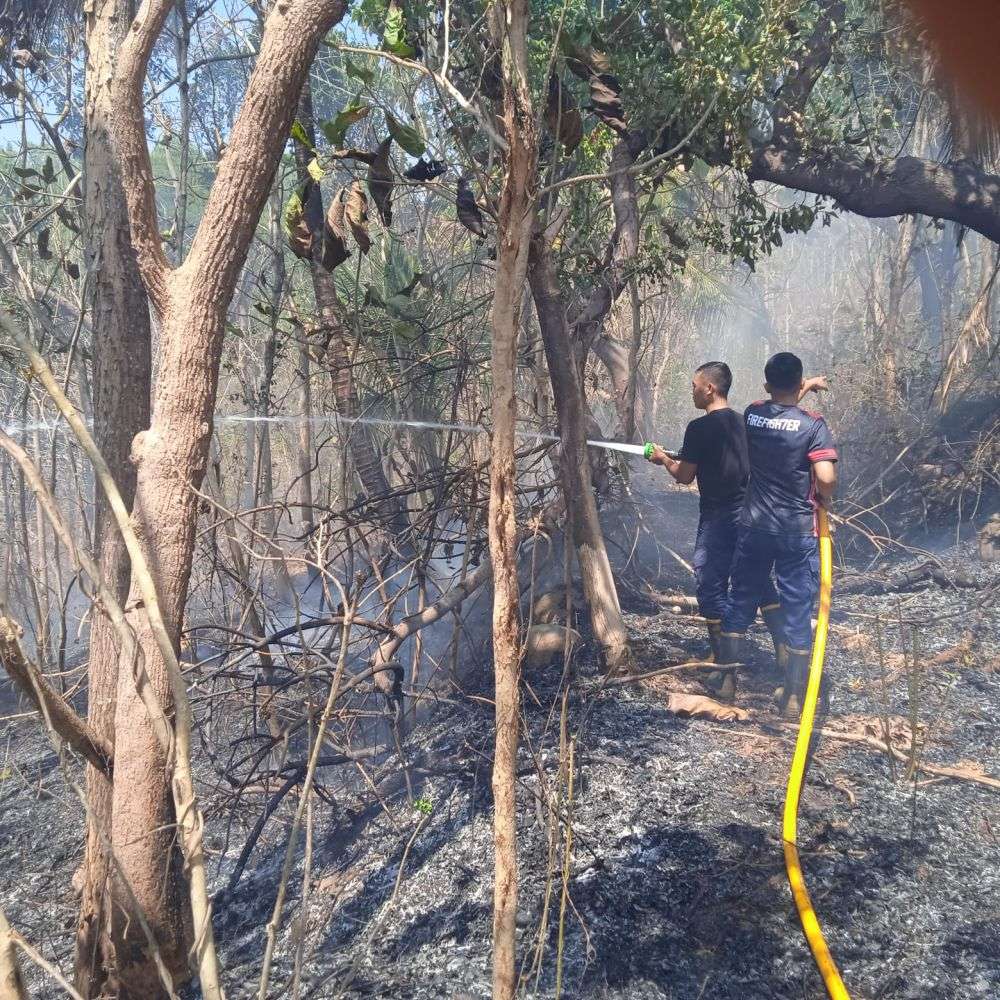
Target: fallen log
point(874, 583)
point(974, 773)
point(678, 603)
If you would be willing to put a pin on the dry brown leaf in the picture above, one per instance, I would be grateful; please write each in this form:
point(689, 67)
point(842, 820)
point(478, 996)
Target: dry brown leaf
point(856, 641)
point(380, 182)
point(697, 706)
point(356, 210)
point(584, 60)
point(335, 250)
point(605, 99)
point(864, 727)
point(468, 211)
point(330, 885)
point(562, 115)
point(304, 219)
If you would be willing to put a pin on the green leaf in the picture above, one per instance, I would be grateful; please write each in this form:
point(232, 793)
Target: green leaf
point(294, 211)
point(316, 172)
point(394, 39)
point(407, 137)
point(404, 307)
point(361, 73)
point(26, 172)
point(400, 271)
point(405, 330)
point(700, 168)
point(48, 170)
point(336, 130)
point(300, 135)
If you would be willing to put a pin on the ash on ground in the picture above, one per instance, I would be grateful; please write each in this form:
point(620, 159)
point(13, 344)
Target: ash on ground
point(675, 885)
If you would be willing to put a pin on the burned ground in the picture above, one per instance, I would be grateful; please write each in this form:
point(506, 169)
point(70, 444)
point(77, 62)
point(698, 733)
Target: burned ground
point(677, 886)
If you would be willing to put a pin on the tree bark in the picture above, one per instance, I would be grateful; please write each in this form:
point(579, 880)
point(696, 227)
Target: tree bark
point(567, 344)
point(619, 360)
point(121, 370)
point(905, 185)
point(304, 453)
point(96, 750)
point(172, 455)
point(514, 225)
point(589, 322)
point(581, 507)
point(11, 983)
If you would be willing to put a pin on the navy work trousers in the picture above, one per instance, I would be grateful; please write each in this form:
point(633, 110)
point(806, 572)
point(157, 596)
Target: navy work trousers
point(714, 550)
point(795, 560)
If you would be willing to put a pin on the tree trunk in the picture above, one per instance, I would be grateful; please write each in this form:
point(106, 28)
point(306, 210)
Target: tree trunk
point(510, 27)
point(887, 344)
point(304, 452)
point(121, 378)
point(337, 353)
point(630, 385)
point(568, 394)
point(172, 455)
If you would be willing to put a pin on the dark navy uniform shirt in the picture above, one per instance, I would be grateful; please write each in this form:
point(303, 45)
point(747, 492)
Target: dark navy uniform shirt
point(717, 444)
point(783, 441)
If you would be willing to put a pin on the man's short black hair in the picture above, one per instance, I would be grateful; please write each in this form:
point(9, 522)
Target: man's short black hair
point(783, 372)
point(718, 373)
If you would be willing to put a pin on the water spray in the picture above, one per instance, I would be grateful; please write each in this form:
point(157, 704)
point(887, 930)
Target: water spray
point(645, 450)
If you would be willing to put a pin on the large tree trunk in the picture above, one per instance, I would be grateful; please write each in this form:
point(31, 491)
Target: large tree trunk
point(121, 376)
point(510, 27)
point(581, 507)
point(172, 455)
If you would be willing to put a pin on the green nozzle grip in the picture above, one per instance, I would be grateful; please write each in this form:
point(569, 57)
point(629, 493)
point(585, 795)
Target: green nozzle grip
point(647, 452)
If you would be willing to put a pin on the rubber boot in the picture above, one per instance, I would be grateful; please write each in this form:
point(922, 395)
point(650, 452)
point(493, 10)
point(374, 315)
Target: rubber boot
point(774, 619)
point(714, 627)
point(791, 696)
point(722, 683)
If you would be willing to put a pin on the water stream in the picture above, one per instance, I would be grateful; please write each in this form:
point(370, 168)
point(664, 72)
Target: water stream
point(429, 425)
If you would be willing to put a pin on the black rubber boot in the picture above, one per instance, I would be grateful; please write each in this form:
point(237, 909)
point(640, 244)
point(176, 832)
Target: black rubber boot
point(714, 627)
point(774, 619)
point(722, 683)
point(791, 695)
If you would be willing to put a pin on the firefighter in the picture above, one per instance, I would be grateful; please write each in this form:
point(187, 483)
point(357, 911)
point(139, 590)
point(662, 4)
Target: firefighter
point(715, 453)
point(792, 469)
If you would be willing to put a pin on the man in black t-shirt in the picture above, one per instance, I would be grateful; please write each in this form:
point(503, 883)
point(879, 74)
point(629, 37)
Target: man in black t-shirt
point(715, 453)
point(792, 469)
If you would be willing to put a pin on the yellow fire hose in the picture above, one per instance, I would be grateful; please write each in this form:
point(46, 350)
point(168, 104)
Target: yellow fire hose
point(810, 924)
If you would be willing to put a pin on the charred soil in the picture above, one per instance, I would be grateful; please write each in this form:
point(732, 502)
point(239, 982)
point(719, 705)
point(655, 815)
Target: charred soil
point(675, 886)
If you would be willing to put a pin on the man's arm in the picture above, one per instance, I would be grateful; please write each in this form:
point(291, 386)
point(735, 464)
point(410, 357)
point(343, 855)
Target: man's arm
point(684, 472)
point(825, 476)
point(815, 383)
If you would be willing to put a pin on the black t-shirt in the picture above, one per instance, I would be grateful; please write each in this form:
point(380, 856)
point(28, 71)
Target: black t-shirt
point(716, 443)
point(784, 440)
